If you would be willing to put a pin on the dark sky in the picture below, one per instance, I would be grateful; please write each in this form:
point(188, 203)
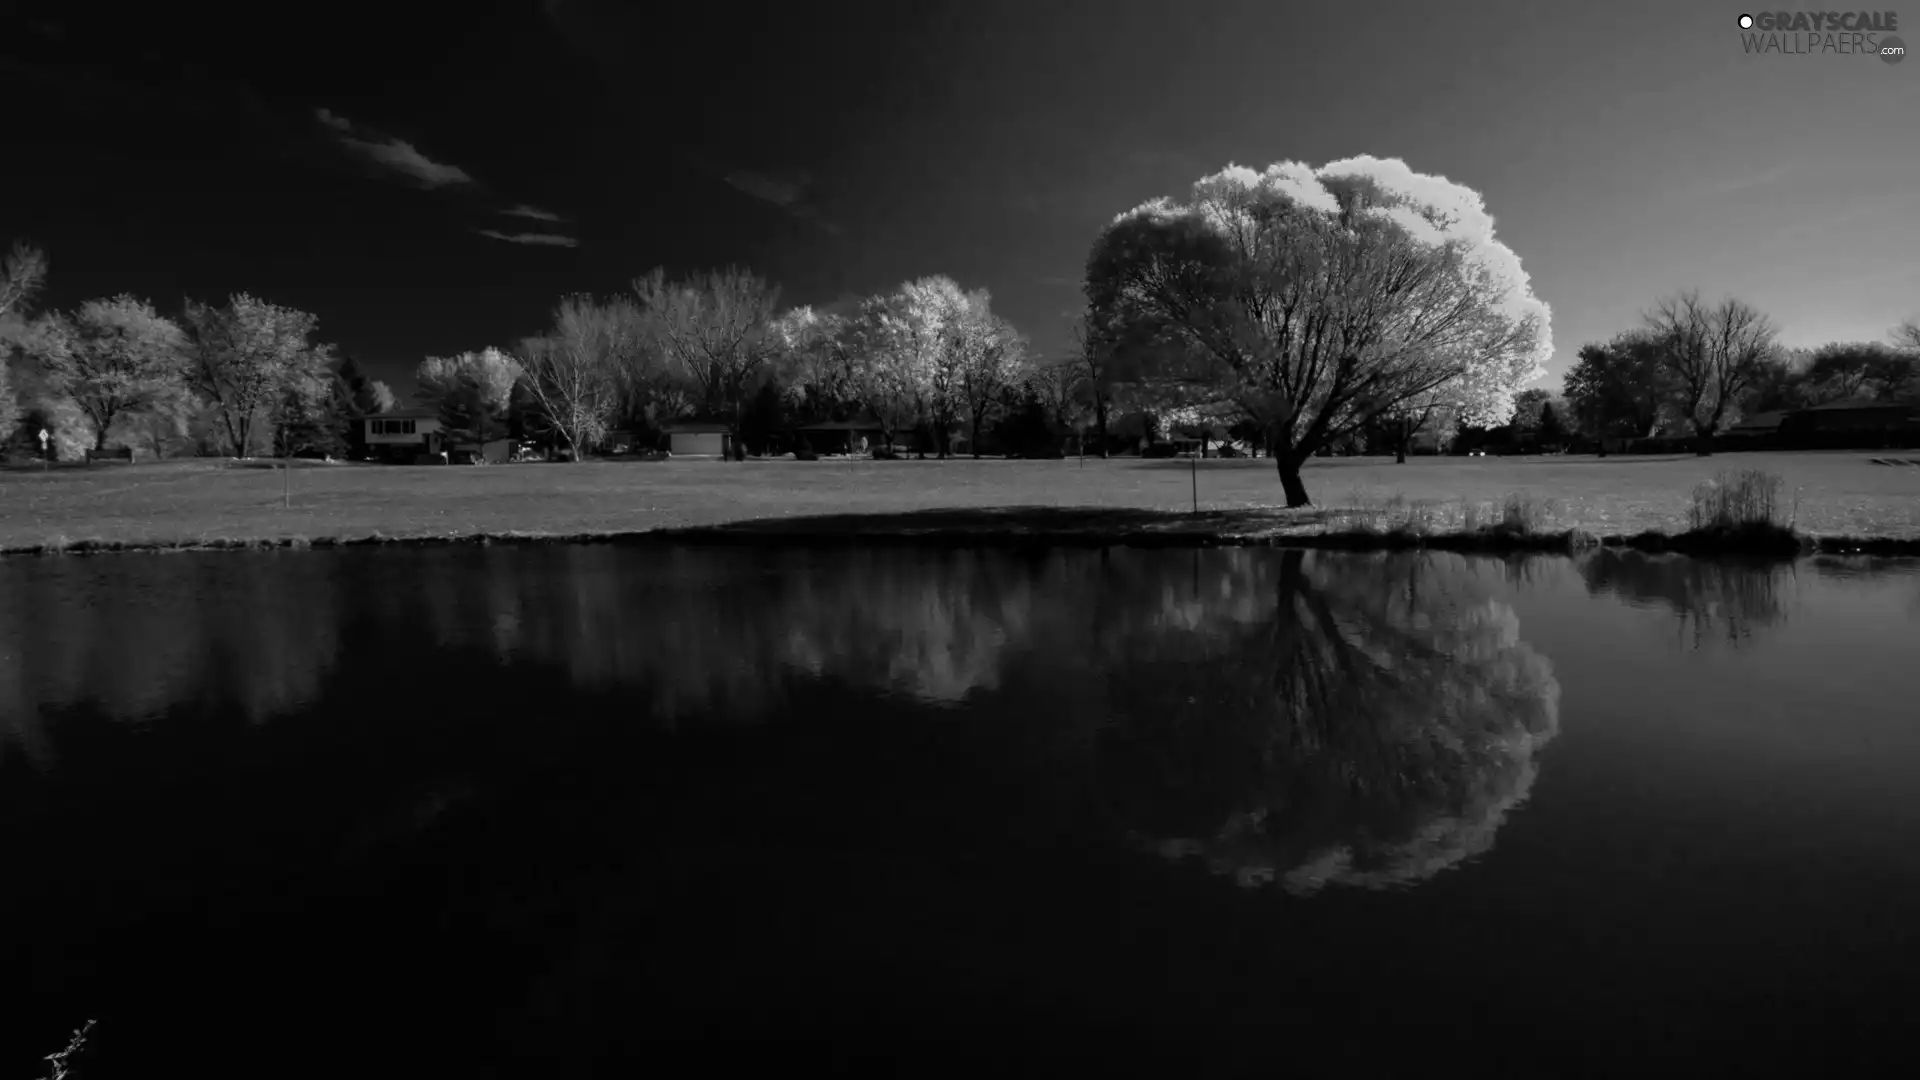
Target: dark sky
point(1626, 149)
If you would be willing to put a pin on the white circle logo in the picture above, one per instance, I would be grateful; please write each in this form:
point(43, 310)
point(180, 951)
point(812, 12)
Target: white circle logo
point(1746, 22)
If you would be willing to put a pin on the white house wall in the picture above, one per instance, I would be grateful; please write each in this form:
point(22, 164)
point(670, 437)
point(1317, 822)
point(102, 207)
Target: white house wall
point(421, 429)
point(689, 443)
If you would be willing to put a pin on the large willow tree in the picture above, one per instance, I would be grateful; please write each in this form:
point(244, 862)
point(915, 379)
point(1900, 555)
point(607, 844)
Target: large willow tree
point(1315, 300)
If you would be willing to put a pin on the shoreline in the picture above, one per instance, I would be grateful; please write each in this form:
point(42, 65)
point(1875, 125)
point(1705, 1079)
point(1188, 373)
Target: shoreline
point(1029, 527)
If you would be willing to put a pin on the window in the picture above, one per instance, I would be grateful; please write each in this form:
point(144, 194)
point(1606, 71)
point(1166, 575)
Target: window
point(393, 427)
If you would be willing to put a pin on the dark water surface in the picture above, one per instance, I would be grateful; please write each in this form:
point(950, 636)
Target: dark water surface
point(517, 810)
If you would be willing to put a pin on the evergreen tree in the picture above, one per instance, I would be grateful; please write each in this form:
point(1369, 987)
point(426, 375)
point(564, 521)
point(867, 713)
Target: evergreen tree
point(1551, 431)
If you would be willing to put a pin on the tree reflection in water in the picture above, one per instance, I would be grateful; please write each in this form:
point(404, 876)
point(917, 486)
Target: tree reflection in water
point(1733, 596)
point(1282, 715)
point(1308, 720)
point(135, 638)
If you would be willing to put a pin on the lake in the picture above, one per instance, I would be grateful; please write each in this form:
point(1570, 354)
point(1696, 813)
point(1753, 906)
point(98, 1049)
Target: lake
point(505, 810)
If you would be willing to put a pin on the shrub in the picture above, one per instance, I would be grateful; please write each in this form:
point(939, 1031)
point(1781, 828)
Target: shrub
point(1742, 500)
point(1519, 514)
point(1522, 513)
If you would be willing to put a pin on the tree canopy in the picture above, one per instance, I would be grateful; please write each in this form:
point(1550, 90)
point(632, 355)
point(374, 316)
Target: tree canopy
point(1315, 299)
point(574, 370)
point(1710, 354)
point(249, 358)
point(1619, 387)
point(471, 391)
point(110, 357)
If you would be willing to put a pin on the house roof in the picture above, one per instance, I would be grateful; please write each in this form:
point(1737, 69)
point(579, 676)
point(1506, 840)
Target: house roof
point(1216, 432)
point(696, 428)
point(1760, 421)
point(404, 414)
point(1854, 404)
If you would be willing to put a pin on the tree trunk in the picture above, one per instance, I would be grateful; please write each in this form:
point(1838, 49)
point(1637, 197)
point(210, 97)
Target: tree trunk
point(1100, 421)
point(1400, 454)
point(976, 436)
point(1703, 440)
point(1288, 465)
point(234, 437)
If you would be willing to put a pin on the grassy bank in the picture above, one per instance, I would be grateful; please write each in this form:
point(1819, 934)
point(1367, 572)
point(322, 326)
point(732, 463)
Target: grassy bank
point(1824, 502)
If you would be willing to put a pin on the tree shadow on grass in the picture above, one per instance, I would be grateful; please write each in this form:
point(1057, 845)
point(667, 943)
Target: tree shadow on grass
point(1055, 523)
point(1611, 459)
point(1205, 463)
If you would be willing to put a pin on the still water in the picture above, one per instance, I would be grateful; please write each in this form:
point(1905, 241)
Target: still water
point(511, 810)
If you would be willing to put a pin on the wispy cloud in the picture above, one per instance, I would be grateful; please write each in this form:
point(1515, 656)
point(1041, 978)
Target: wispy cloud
point(779, 192)
point(538, 239)
point(786, 190)
point(534, 212)
point(403, 159)
point(396, 155)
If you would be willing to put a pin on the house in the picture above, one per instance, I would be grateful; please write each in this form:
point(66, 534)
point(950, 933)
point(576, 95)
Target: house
point(695, 439)
point(1852, 424)
point(403, 433)
point(1856, 414)
point(1201, 439)
point(1128, 431)
point(1758, 426)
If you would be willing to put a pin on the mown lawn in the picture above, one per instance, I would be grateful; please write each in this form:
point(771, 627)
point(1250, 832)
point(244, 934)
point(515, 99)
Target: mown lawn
point(189, 501)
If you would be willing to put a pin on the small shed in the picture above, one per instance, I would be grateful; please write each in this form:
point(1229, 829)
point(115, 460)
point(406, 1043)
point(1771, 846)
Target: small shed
point(697, 439)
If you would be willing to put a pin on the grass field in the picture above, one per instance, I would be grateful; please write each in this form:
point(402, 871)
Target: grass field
point(186, 502)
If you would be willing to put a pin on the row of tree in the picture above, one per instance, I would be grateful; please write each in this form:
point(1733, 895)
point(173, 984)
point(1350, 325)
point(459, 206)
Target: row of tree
point(250, 375)
point(246, 374)
point(1696, 368)
point(716, 346)
point(1302, 304)
point(1305, 309)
